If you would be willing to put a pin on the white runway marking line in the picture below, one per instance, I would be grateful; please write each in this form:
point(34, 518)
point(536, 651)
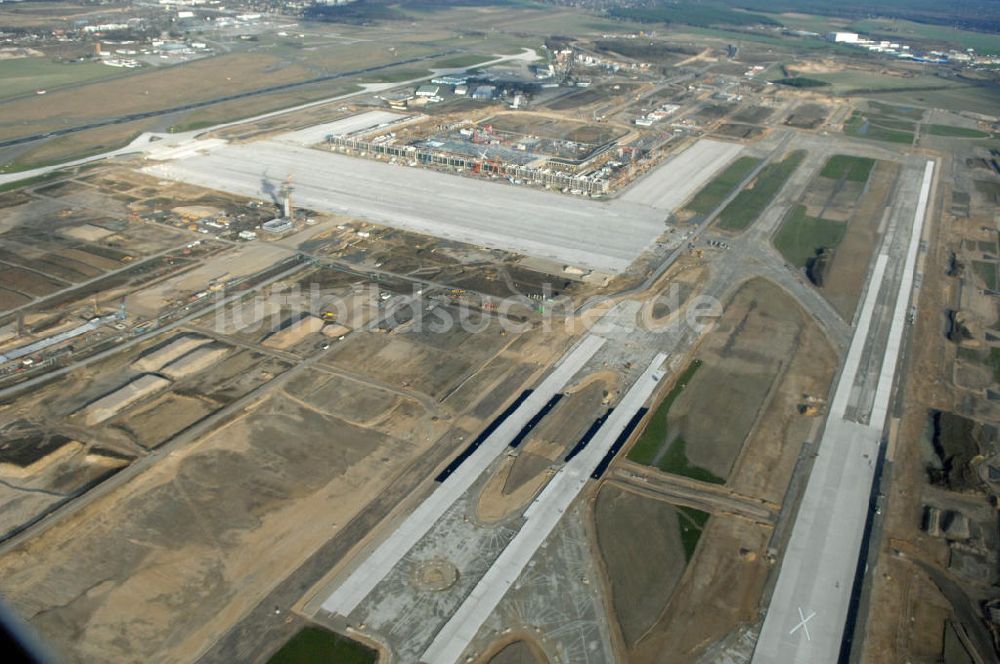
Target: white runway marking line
point(803, 619)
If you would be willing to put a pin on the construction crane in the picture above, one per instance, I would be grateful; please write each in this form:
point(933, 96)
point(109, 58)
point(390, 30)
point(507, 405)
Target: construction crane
point(483, 134)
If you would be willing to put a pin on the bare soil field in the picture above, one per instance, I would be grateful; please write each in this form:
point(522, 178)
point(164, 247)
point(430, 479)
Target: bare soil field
point(642, 571)
point(742, 358)
point(719, 593)
point(162, 565)
point(27, 282)
point(163, 418)
point(500, 498)
point(795, 409)
point(566, 423)
point(547, 126)
point(847, 271)
point(752, 114)
point(518, 652)
point(71, 231)
point(425, 362)
point(11, 299)
point(585, 97)
point(740, 131)
point(807, 116)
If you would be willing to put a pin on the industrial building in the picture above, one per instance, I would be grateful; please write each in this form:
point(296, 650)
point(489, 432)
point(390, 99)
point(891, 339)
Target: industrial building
point(484, 92)
point(843, 37)
point(450, 79)
point(277, 226)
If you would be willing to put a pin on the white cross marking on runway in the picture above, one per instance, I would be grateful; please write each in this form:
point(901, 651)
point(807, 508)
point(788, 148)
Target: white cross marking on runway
point(803, 619)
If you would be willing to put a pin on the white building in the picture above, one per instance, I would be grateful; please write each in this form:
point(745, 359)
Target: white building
point(844, 37)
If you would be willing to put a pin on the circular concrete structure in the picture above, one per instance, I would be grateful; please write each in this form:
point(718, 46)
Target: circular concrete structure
point(435, 575)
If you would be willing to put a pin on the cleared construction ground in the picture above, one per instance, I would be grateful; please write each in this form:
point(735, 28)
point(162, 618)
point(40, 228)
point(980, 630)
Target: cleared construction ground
point(241, 459)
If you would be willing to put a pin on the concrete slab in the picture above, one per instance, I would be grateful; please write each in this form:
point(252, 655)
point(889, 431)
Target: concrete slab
point(342, 127)
point(600, 235)
point(669, 186)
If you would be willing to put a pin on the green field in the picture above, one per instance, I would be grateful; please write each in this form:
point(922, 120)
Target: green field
point(691, 522)
point(855, 169)
point(675, 461)
point(37, 179)
point(912, 112)
point(928, 90)
point(467, 60)
point(896, 124)
point(987, 272)
point(783, 42)
point(801, 236)
point(695, 14)
point(876, 128)
point(313, 645)
point(712, 194)
point(855, 82)
point(655, 434)
point(955, 132)
point(650, 444)
point(994, 362)
point(750, 202)
point(240, 109)
point(25, 75)
point(395, 75)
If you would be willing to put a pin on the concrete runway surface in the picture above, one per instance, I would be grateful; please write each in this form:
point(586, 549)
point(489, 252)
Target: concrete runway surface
point(806, 618)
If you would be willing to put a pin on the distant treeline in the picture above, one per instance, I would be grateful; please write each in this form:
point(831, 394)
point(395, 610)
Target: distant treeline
point(801, 82)
point(643, 50)
point(368, 11)
point(982, 15)
point(358, 12)
point(699, 15)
